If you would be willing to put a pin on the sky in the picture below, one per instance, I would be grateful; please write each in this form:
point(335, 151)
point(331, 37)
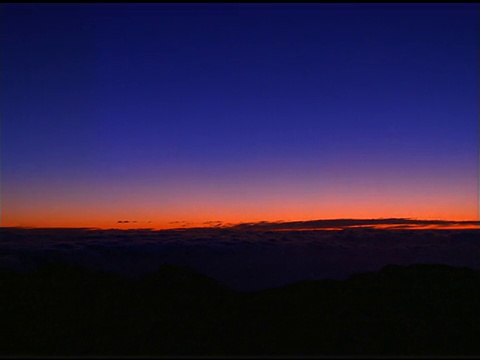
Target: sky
point(162, 115)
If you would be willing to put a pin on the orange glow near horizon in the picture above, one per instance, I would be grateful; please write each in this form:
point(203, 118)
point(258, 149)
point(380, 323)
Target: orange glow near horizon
point(102, 222)
point(117, 226)
point(182, 202)
point(106, 217)
point(138, 215)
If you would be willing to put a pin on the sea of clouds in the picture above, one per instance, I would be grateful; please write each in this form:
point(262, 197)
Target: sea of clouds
point(245, 258)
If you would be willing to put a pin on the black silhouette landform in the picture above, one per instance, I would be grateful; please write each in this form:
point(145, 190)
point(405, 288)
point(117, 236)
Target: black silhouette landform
point(60, 309)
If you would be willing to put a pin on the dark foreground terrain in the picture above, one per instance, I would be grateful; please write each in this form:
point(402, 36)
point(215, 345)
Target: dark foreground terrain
point(60, 309)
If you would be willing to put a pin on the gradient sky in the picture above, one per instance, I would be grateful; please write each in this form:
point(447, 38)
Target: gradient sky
point(183, 114)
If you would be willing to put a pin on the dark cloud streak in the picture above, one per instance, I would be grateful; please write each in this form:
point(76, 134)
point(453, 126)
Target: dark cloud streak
point(397, 223)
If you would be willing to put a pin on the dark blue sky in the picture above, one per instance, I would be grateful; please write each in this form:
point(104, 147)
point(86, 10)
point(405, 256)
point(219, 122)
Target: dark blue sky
point(223, 103)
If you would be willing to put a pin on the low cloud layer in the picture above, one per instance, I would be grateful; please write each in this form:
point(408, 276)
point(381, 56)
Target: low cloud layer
point(248, 256)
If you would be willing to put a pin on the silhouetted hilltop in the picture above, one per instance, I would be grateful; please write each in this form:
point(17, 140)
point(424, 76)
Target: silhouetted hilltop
point(176, 280)
point(62, 309)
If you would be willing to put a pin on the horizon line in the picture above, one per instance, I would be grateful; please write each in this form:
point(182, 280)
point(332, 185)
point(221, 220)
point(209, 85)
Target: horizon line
point(298, 225)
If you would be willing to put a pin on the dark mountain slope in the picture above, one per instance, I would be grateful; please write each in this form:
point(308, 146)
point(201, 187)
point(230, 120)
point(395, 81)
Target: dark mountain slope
point(60, 309)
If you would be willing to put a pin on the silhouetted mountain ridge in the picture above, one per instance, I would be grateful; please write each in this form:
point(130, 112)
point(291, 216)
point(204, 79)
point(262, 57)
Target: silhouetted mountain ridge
point(173, 277)
point(62, 309)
